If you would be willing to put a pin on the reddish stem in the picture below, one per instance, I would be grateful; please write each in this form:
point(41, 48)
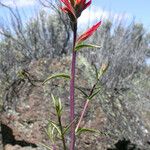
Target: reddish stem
point(82, 114)
point(72, 89)
point(54, 147)
point(85, 106)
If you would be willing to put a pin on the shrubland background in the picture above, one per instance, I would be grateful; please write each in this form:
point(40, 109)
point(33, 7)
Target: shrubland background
point(125, 47)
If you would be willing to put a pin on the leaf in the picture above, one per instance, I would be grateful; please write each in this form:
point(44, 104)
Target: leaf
point(54, 100)
point(80, 46)
point(81, 91)
point(51, 132)
point(68, 126)
point(99, 87)
point(94, 94)
point(53, 124)
point(81, 130)
point(96, 71)
point(103, 69)
point(61, 75)
point(57, 128)
point(60, 107)
point(57, 105)
point(88, 33)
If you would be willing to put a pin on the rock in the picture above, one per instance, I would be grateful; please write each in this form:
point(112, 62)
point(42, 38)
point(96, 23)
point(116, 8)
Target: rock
point(28, 108)
point(124, 144)
point(10, 147)
point(17, 147)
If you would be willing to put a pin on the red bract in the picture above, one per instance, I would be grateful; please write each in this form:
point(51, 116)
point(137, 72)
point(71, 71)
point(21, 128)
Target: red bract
point(81, 5)
point(88, 33)
point(75, 7)
point(82, 2)
point(68, 7)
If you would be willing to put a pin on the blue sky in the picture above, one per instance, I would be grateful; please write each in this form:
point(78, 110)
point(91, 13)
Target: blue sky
point(140, 9)
point(126, 9)
point(100, 9)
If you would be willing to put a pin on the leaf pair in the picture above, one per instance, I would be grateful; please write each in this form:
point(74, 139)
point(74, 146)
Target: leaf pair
point(52, 131)
point(102, 70)
point(57, 105)
point(80, 46)
point(94, 94)
point(86, 35)
point(83, 130)
point(89, 97)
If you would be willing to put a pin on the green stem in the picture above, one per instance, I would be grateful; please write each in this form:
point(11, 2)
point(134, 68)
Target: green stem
point(62, 132)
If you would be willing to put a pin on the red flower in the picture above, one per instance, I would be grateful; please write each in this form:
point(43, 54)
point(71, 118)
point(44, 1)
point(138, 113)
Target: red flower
point(75, 7)
point(68, 7)
point(88, 33)
point(81, 5)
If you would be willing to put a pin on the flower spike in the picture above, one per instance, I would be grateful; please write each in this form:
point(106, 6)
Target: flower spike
point(68, 9)
point(75, 7)
point(88, 33)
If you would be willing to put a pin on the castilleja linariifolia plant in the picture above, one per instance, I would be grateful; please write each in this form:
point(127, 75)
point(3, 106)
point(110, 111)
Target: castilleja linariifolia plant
point(74, 9)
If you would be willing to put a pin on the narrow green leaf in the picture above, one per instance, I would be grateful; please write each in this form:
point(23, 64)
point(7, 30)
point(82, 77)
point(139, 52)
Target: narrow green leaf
point(54, 100)
point(80, 46)
point(96, 71)
point(94, 94)
point(68, 126)
point(60, 108)
point(81, 91)
point(57, 76)
point(50, 131)
point(103, 69)
point(99, 87)
point(82, 130)
point(57, 105)
point(56, 127)
point(50, 122)
point(52, 125)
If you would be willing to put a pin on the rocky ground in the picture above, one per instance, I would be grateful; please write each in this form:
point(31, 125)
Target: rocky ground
point(28, 108)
